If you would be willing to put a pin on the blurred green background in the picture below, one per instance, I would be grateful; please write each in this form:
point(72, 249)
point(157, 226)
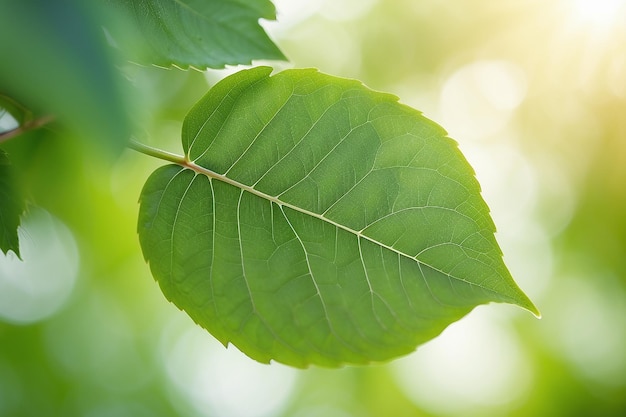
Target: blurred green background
point(535, 94)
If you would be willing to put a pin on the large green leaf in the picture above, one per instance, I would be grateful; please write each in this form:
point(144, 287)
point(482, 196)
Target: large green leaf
point(314, 221)
point(197, 33)
point(11, 207)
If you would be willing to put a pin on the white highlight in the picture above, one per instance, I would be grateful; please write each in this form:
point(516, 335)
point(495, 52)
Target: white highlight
point(598, 12)
point(476, 363)
point(478, 100)
point(38, 286)
point(221, 382)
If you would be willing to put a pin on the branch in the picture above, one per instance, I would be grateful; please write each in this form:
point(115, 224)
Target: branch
point(137, 146)
point(26, 127)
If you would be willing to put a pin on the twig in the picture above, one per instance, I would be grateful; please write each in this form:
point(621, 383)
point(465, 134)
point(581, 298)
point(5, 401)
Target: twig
point(28, 126)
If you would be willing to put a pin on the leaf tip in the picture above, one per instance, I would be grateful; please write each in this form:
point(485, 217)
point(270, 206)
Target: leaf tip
point(519, 298)
point(536, 312)
point(528, 305)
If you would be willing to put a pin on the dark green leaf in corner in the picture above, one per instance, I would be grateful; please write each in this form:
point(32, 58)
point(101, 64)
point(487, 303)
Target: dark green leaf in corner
point(54, 61)
point(11, 207)
point(319, 222)
point(197, 33)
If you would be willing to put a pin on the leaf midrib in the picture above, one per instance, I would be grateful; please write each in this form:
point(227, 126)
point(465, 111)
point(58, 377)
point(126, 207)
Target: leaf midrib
point(186, 163)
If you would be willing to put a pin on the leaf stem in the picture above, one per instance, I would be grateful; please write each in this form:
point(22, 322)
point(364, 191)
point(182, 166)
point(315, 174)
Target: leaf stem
point(30, 125)
point(133, 144)
point(158, 153)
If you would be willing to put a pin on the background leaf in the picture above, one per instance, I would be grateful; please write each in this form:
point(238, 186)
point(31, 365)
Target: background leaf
point(198, 33)
point(55, 61)
point(11, 207)
point(333, 224)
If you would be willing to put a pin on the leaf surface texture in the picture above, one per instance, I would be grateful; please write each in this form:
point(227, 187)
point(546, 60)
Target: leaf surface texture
point(197, 33)
point(319, 222)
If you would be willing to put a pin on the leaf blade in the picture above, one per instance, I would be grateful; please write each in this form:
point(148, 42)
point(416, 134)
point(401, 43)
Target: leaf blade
point(11, 208)
point(195, 33)
point(314, 175)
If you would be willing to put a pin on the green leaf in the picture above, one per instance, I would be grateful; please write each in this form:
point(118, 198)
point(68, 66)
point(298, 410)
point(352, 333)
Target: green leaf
point(314, 221)
point(55, 61)
point(11, 207)
point(197, 33)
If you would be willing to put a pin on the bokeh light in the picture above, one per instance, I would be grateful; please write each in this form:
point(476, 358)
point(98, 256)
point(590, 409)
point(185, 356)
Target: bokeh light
point(37, 286)
point(110, 357)
point(475, 366)
point(7, 122)
point(599, 13)
point(347, 9)
point(589, 328)
point(223, 382)
point(477, 101)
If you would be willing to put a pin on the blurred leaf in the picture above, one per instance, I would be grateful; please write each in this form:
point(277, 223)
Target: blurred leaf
point(197, 33)
point(55, 60)
point(11, 207)
point(332, 224)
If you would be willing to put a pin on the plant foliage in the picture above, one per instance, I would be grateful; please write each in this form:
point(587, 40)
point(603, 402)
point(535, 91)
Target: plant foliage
point(198, 33)
point(315, 221)
point(55, 61)
point(311, 220)
point(11, 207)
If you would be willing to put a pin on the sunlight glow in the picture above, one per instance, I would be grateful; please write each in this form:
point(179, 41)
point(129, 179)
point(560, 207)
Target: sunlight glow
point(479, 99)
point(598, 352)
point(584, 43)
point(219, 382)
point(598, 12)
point(38, 286)
point(475, 366)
